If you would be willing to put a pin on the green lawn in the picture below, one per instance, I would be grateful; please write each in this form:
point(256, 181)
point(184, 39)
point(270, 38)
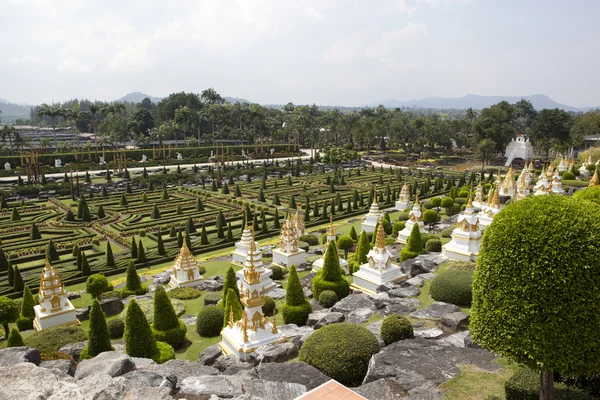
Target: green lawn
point(475, 384)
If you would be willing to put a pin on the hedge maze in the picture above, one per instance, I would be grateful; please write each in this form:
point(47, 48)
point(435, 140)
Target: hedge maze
point(148, 216)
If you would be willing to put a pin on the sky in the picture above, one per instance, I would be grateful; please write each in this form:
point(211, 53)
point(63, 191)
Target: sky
point(328, 52)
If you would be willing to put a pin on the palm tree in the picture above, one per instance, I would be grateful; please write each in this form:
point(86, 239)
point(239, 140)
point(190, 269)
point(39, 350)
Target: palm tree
point(44, 144)
point(159, 133)
point(52, 112)
point(73, 114)
point(211, 96)
point(8, 132)
point(94, 108)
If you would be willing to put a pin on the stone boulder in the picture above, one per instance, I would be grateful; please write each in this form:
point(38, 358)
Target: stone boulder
point(210, 285)
point(417, 281)
point(207, 385)
point(277, 352)
point(386, 287)
point(209, 355)
point(65, 366)
point(276, 293)
point(456, 340)
point(404, 292)
point(359, 316)
point(297, 372)
point(27, 381)
point(99, 387)
point(15, 355)
point(163, 278)
point(296, 334)
point(456, 321)
point(273, 390)
point(430, 333)
point(73, 349)
point(400, 306)
point(111, 306)
point(180, 368)
point(83, 314)
point(381, 299)
point(382, 389)
point(470, 343)
point(323, 318)
point(415, 266)
point(353, 302)
point(415, 362)
point(437, 310)
point(109, 363)
point(142, 378)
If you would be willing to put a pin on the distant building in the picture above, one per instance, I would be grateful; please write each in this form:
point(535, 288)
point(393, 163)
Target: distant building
point(518, 148)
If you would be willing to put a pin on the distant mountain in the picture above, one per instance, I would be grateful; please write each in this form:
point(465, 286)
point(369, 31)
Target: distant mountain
point(539, 101)
point(137, 97)
point(11, 112)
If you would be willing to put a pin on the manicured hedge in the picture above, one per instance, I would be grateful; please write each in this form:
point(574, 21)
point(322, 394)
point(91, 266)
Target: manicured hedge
point(210, 321)
point(453, 286)
point(395, 327)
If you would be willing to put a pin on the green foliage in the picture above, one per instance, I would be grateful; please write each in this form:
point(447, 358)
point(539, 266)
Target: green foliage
point(590, 194)
point(35, 232)
point(155, 212)
point(141, 252)
point(328, 298)
point(123, 201)
point(536, 282)
point(269, 307)
point(133, 283)
point(14, 339)
point(52, 339)
point(100, 213)
point(312, 240)
point(403, 216)
point(353, 234)
point(211, 298)
point(15, 216)
point(232, 304)
point(139, 340)
point(116, 328)
point(362, 248)
point(430, 217)
point(447, 232)
point(99, 336)
point(96, 284)
point(296, 308)
point(395, 327)
point(525, 385)
point(110, 259)
point(397, 227)
point(453, 286)
point(329, 277)
point(184, 293)
point(18, 280)
point(210, 321)
point(447, 202)
point(568, 176)
point(340, 351)
point(414, 244)
point(165, 353)
point(51, 252)
point(276, 272)
point(134, 249)
point(433, 245)
point(230, 283)
point(345, 243)
point(27, 304)
point(85, 265)
point(164, 314)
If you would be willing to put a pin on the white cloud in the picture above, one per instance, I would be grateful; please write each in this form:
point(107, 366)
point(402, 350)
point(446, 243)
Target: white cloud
point(403, 7)
point(24, 59)
point(389, 45)
point(73, 65)
point(314, 14)
point(346, 50)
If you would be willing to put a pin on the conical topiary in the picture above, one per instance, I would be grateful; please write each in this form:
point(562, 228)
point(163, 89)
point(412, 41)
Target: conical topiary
point(11, 274)
point(296, 307)
point(155, 212)
point(3, 260)
point(330, 277)
point(134, 249)
point(133, 282)
point(232, 305)
point(139, 340)
point(331, 264)
point(203, 235)
point(166, 327)
point(27, 304)
point(353, 234)
point(14, 339)
point(160, 246)
point(85, 266)
point(189, 226)
point(362, 249)
point(98, 334)
point(35, 232)
point(414, 244)
point(18, 279)
point(100, 213)
point(51, 251)
point(230, 283)
point(110, 259)
point(141, 253)
point(15, 215)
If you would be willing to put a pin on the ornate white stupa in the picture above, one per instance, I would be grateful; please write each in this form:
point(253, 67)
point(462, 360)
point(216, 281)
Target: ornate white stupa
point(541, 187)
point(253, 330)
point(478, 202)
point(492, 208)
point(299, 224)
point(54, 307)
point(557, 183)
point(508, 187)
point(583, 170)
point(403, 202)
point(372, 217)
point(530, 175)
point(595, 181)
point(563, 166)
point(288, 253)
point(466, 237)
point(379, 268)
point(256, 256)
point(242, 247)
point(414, 217)
point(331, 236)
point(185, 270)
point(522, 190)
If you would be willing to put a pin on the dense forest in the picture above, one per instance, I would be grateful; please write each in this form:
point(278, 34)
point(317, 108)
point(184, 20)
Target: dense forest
point(192, 119)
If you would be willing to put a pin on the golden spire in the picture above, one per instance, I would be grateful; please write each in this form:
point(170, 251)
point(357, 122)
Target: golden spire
point(380, 240)
point(296, 217)
point(550, 188)
point(331, 229)
point(251, 275)
point(491, 195)
point(230, 317)
point(417, 198)
point(522, 180)
point(274, 323)
point(244, 326)
point(496, 199)
point(595, 180)
point(374, 194)
point(470, 202)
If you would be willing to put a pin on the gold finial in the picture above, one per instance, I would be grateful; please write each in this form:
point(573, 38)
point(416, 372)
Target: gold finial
point(496, 199)
point(491, 195)
point(230, 317)
point(380, 240)
point(244, 326)
point(595, 180)
point(470, 201)
point(417, 198)
point(375, 194)
point(274, 323)
point(549, 190)
point(522, 180)
point(296, 217)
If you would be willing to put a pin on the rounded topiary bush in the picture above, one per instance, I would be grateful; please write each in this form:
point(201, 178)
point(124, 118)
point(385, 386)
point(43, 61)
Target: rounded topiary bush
point(590, 194)
point(328, 298)
point(116, 328)
point(312, 240)
point(568, 176)
point(525, 385)
point(165, 353)
point(269, 307)
point(210, 321)
point(276, 272)
point(212, 298)
point(453, 286)
point(174, 336)
point(398, 226)
point(403, 216)
point(184, 293)
point(447, 232)
point(395, 327)
point(460, 200)
point(433, 245)
point(341, 351)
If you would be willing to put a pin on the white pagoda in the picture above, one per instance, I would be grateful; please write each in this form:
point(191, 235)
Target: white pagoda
point(379, 268)
point(288, 253)
point(466, 237)
point(256, 256)
point(522, 190)
point(253, 330)
point(372, 217)
point(54, 307)
point(414, 217)
point(508, 187)
point(242, 247)
point(478, 202)
point(541, 187)
point(403, 202)
point(299, 224)
point(563, 166)
point(331, 236)
point(185, 270)
point(492, 208)
point(557, 183)
point(583, 170)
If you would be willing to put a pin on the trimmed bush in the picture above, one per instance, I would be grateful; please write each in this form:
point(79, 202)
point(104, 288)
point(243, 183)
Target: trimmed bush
point(276, 272)
point(111, 294)
point(461, 265)
point(116, 328)
point(230, 283)
point(296, 308)
point(341, 351)
point(330, 277)
point(210, 321)
point(212, 298)
point(395, 327)
point(568, 176)
point(447, 232)
point(185, 293)
point(147, 307)
point(52, 339)
point(232, 305)
point(403, 216)
point(14, 339)
point(525, 385)
point(312, 240)
point(269, 307)
point(96, 284)
point(397, 227)
point(328, 298)
point(139, 340)
point(9, 312)
point(165, 353)
point(414, 245)
point(590, 194)
point(99, 336)
point(453, 286)
point(166, 327)
point(25, 320)
point(433, 245)
point(133, 283)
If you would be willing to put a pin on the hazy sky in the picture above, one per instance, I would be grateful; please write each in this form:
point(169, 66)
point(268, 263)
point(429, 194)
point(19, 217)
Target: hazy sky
point(331, 52)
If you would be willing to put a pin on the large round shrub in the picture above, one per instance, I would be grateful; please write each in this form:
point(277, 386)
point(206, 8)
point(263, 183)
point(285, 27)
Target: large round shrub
point(395, 327)
point(210, 321)
point(341, 351)
point(269, 307)
point(453, 287)
point(312, 240)
point(96, 284)
point(447, 202)
point(568, 176)
point(116, 328)
point(590, 194)
point(433, 245)
point(328, 298)
point(276, 273)
point(536, 281)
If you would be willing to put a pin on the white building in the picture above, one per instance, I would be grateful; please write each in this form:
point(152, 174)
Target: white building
point(518, 147)
point(54, 307)
point(185, 270)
